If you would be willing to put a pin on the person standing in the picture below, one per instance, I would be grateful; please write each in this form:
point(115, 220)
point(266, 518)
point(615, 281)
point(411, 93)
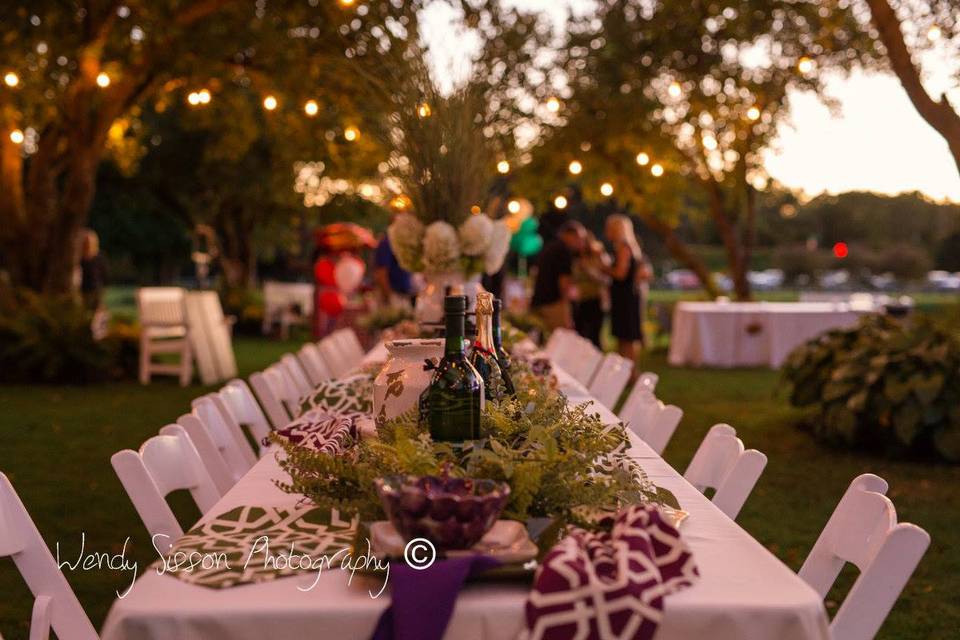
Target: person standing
point(93, 271)
point(393, 282)
point(553, 290)
point(625, 274)
point(591, 281)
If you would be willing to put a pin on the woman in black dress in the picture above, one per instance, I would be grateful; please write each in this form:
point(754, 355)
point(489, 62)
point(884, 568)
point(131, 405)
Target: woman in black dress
point(625, 276)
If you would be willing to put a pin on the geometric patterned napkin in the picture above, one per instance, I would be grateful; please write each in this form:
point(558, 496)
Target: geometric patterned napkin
point(218, 554)
point(341, 395)
point(321, 431)
point(609, 585)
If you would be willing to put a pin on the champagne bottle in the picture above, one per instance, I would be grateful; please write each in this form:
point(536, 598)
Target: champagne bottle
point(483, 357)
point(455, 397)
point(503, 358)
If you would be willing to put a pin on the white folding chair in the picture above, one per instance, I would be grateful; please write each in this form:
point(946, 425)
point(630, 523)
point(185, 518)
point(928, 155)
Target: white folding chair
point(286, 303)
point(277, 395)
point(338, 363)
point(654, 421)
point(296, 374)
point(350, 345)
point(239, 401)
point(163, 330)
point(165, 463)
point(207, 449)
point(611, 377)
point(586, 358)
point(863, 531)
point(313, 364)
point(721, 463)
point(55, 605)
point(643, 389)
point(559, 341)
point(226, 433)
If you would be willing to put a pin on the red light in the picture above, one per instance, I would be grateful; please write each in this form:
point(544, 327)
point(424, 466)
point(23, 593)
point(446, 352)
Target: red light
point(841, 250)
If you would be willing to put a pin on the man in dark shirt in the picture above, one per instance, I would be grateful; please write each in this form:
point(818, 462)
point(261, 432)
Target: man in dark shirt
point(394, 283)
point(553, 289)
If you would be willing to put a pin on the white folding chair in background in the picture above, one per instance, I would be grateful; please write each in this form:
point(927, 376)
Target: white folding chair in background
point(164, 331)
point(277, 395)
point(207, 448)
point(863, 531)
point(313, 364)
point(165, 463)
point(296, 374)
point(226, 433)
point(338, 362)
point(558, 342)
point(654, 421)
point(643, 389)
point(55, 605)
point(611, 378)
point(286, 303)
point(721, 464)
point(242, 405)
point(584, 361)
point(350, 345)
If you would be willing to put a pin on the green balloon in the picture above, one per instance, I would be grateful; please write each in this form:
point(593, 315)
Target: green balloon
point(530, 245)
point(529, 226)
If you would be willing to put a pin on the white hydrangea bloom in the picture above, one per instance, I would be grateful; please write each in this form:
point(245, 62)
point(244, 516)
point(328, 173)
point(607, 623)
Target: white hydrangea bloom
point(406, 240)
point(500, 235)
point(441, 248)
point(475, 235)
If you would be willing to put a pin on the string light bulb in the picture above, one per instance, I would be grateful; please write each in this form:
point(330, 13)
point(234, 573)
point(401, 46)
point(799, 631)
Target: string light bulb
point(351, 133)
point(475, 210)
point(553, 105)
point(193, 98)
point(560, 202)
point(753, 113)
point(513, 206)
point(203, 96)
point(16, 136)
point(934, 33)
point(103, 80)
point(424, 110)
point(643, 159)
point(575, 168)
point(805, 65)
point(606, 189)
point(311, 108)
point(11, 79)
point(657, 170)
point(270, 103)
point(503, 167)
point(346, 3)
point(674, 90)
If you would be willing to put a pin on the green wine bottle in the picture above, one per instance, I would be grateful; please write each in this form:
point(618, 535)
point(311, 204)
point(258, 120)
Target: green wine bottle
point(503, 358)
point(454, 400)
point(483, 356)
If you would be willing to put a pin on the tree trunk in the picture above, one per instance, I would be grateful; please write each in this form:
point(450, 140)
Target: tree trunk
point(736, 255)
point(939, 114)
point(679, 250)
point(237, 256)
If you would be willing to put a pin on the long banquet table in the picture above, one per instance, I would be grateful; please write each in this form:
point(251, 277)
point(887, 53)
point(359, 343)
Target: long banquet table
point(744, 591)
point(750, 334)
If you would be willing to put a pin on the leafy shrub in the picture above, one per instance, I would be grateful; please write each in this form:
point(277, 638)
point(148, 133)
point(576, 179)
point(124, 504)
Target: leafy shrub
point(882, 384)
point(48, 339)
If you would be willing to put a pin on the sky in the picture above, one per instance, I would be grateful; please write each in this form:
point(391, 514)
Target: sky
point(877, 141)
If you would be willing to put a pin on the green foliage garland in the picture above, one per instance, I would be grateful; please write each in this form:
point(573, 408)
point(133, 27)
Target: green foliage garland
point(558, 460)
point(882, 384)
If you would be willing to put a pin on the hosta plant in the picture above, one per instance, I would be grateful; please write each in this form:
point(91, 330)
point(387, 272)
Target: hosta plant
point(882, 384)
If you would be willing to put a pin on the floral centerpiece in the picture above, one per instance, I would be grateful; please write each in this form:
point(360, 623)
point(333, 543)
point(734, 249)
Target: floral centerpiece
point(442, 165)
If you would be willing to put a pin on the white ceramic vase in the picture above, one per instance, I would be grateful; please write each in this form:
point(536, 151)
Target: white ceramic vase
point(404, 376)
point(429, 306)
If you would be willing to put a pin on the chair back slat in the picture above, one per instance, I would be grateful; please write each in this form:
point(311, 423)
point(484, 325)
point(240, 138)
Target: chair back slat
point(611, 378)
point(722, 464)
point(161, 306)
point(239, 400)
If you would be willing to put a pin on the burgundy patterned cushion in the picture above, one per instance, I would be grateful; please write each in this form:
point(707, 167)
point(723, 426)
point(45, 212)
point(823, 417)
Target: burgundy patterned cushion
point(322, 431)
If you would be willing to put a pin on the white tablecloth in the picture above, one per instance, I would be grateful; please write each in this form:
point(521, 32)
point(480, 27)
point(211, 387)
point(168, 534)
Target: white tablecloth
point(749, 334)
point(744, 591)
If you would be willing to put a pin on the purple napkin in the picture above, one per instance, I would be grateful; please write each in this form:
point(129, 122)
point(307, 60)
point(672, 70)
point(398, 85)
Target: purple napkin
point(609, 585)
point(422, 601)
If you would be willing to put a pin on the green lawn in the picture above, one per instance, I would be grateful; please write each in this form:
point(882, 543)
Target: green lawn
point(58, 441)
